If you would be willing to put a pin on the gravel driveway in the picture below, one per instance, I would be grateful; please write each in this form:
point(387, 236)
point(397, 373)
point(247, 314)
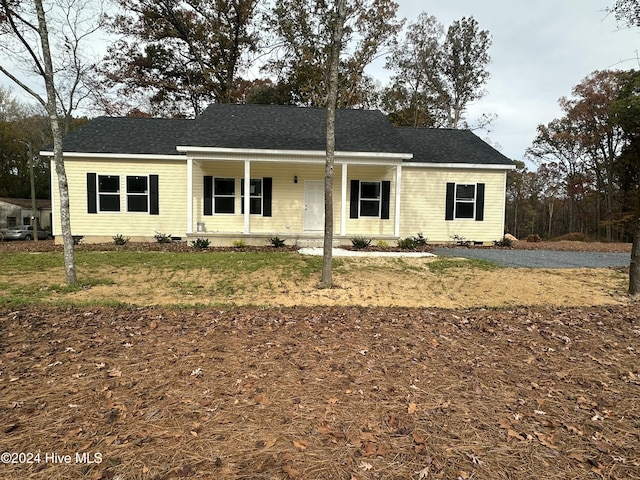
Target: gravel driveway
point(540, 258)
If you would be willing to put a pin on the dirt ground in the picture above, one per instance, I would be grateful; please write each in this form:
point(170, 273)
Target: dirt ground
point(407, 282)
point(334, 387)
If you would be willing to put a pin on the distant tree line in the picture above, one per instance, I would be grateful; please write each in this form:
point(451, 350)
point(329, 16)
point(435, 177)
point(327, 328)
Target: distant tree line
point(588, 165)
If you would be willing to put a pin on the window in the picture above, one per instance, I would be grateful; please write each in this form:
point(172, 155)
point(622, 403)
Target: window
point(255, 196)
point(370, 199)
point(109, 193)
point(465, 201)
point(137, 194)
point(11, 222)
point(224, 195)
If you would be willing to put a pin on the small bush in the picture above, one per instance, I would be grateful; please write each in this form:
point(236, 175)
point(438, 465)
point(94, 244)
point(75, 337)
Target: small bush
point(534, 238)
point(503, 242)
point(461, 241)
point(120, 240)
point(407, 243)
point(382, 244)
point(276, 242)
point(239, 243)
point(162, 237)
point(360, 242)
point(420, 241)
point(201, 243)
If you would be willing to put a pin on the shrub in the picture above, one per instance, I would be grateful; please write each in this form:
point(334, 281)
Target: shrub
point(276, 242)
point(382, 244)
point(239, 243)
point(200, 243)
point(120, 240)
point(503, 242)
point(460, 240)
point(360, 242)
point(534, 238)
point(407, 243)
point(420, 241)
point(162, 237)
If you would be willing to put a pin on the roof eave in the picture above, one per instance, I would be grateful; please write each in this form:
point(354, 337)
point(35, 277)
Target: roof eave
point(472, 166)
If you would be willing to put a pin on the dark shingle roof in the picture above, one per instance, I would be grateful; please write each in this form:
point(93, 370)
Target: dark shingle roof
point(26, 202)
point(293, 128)
point(437, 145)
point(277, 127)
point(128, 135)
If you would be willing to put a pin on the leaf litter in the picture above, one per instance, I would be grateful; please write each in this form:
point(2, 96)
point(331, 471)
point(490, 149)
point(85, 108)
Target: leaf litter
point(281, 393)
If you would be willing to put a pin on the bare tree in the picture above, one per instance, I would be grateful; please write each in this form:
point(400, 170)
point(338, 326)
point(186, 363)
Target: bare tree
point(332, 100)
point(25, 29)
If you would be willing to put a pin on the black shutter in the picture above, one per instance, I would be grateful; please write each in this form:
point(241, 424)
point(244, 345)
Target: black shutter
point(450, 206)
point(208, 195)
point(267, 187)
point(92, 197)
point(355, 196)
point(386, 197)
point(154, 200)
point(480, 202)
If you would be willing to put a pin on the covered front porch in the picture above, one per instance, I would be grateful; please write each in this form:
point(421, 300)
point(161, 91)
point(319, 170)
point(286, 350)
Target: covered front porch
point(286, 195)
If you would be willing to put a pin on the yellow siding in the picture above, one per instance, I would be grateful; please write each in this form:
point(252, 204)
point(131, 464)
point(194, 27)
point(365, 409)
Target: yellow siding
point(424, 200)
point(172, 187)
point(288, 197)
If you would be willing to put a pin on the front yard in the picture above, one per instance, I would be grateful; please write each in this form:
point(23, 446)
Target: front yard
point(234, 365)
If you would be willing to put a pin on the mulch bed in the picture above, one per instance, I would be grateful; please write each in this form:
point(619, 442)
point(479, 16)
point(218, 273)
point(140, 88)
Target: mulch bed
point(320, 393)
point(50, 246)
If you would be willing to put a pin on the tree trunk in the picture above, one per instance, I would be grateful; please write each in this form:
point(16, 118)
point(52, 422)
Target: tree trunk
point(332, 100)
point(634, 266)
point(56, 131)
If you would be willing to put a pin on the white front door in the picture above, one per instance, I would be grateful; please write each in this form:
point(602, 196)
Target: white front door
point(313, 206)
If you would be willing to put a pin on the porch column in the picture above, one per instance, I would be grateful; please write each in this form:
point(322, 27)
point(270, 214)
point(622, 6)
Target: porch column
point(343, 202)
point(189, 195)
point(396, 225)
point(247, 196)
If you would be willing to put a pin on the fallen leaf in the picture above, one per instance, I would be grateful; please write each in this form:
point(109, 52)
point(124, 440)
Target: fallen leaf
point(301, 444)
point(365, 466)
point(601, 445)
point(261, 399)
point(269, 442)
point(577, 456)
point(370, 449)
point(423, 474)
point(412, 408)
point(324, 429)
point(114, 372)
point(546, 440)
point(368, 437)
point(292, 472)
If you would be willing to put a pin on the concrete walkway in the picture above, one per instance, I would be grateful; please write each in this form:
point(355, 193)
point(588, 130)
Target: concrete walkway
point(341, 252)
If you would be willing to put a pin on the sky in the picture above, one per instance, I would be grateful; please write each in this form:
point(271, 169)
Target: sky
point(541, 49)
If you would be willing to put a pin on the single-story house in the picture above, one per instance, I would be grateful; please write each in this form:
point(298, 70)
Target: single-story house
point(19, 211)
point(188, 177)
